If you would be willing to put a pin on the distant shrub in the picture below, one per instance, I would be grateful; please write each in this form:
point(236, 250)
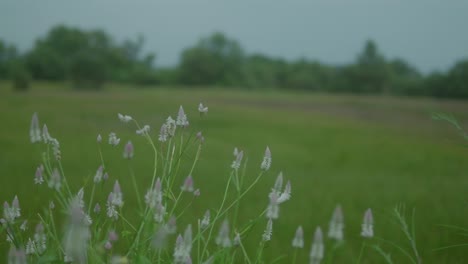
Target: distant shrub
point(21, 78)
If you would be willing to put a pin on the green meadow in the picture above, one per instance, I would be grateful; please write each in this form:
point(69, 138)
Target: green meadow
point(358, 151)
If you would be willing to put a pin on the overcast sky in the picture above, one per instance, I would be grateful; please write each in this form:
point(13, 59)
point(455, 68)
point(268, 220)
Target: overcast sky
point(430, 34)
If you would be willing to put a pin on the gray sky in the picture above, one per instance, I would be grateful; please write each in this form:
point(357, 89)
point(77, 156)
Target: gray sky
point(430, 34)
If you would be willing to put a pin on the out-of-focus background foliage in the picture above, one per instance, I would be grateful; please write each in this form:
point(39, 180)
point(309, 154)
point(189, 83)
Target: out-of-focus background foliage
point(90, 58)
point(358, 133)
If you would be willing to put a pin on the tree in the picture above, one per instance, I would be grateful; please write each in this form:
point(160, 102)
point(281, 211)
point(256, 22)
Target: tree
point(215, 60)
point(370, 74)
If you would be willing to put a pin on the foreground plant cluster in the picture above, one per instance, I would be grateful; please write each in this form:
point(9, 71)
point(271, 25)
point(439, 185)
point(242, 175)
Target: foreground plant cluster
point(98, 231)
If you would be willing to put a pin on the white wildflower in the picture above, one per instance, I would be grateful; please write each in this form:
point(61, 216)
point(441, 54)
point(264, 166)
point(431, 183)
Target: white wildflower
point(99, 174)
point(368, 224)
point(266, 163)
point(163, 133)
point(237, 162)
point(182, 118)
point(206, 220)
point(317, 249)
point(124, 118)
point(35, 131)
point(335, 229)
point(144, 130)
point(223, 239)
point(202, 109)
point(268, 231)
point(298, 241)
point(113, 139)
point(55, 181)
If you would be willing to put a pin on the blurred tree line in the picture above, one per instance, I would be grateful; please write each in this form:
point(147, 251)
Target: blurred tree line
point(91, 58)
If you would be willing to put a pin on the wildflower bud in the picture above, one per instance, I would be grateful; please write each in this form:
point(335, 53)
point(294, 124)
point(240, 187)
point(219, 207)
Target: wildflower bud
point(237, 239)
point(108, 245)
point(24, 225)
point(171, 127)
point(368, 224)
point(160, 238)
point(99, 138)
point(188, 184)
point(97, 208)
point(171, 226)
point(16, 207)
point(180, 252)
point(98, 175)
point(105, 177)
point(128, 151)
point(298, 241)
point(55, 181)
point(117, 195)
point(112, 237)
point(235, 152)
point(34, 131)
point(38, 178)
point(160, 212)
point(51, 205)
point(17, 256)
point(188, 238)
point(273, 208)
point(237, 162)
point(77, 235)
point(200, 137)
point(196, 193)
point(124, 118)
point(286, 194)
point(206, 220)
point(317, 249)
point(266, 163)
point(268, 231)
point(278, 183)
point(223, 239)
point(182, 118)
point(335, 229)
point(45, 134)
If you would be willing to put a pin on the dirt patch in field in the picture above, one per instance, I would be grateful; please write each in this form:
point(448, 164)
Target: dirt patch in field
point(404, 112)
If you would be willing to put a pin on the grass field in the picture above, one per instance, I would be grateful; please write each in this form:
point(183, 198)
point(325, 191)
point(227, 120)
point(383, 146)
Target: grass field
point(357, 151)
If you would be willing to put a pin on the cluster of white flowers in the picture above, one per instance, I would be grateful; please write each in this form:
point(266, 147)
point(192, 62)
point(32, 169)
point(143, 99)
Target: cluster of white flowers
point(298, 241)
point(183, 247)
point(277, 196)
point(38, 244)
point(182, 118)
point(335, 230)
point(115, 199)
point(144, 130)
point(368, 224)
point(266, 163)
point(113, 139)
point(318, 248)
point(35, 131)
point(10, 213)
point(128, 150)
point(205, 222)
point(268, 231)
point(237, 162)
point(99, 174)
point(38, 177)
point(202, 109)
point(124, 118)
point(55, 181)
point(223, 239)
